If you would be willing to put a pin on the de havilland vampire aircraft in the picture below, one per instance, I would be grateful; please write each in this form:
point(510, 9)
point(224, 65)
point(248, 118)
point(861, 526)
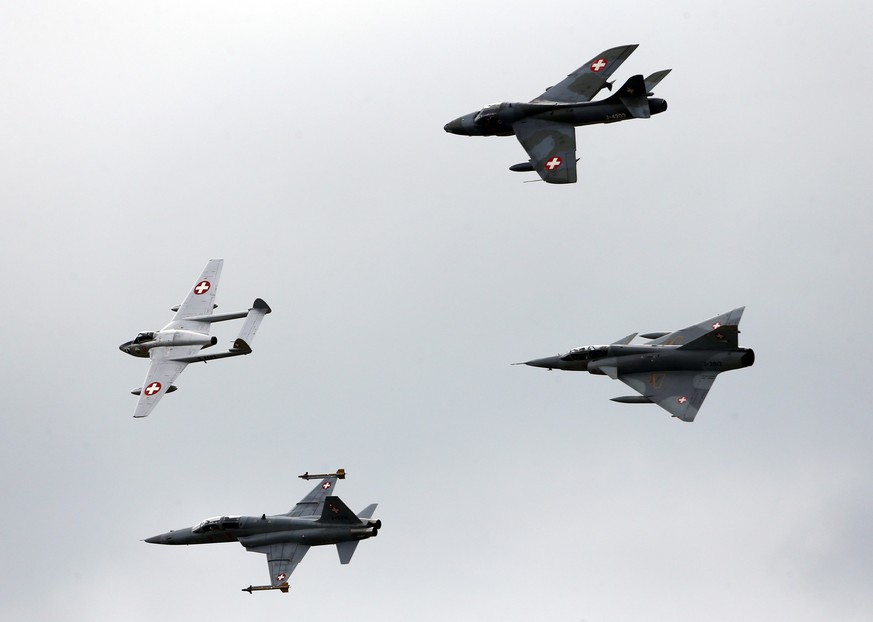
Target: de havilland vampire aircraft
point(545, 126)
point(180, 342)
point(319, 518)
point(674, 370)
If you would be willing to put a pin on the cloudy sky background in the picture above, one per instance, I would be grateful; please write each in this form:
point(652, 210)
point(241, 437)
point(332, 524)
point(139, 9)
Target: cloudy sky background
point(407, 268)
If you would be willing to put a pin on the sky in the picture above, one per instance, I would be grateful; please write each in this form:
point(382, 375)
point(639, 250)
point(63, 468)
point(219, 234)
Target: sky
point(407, 269)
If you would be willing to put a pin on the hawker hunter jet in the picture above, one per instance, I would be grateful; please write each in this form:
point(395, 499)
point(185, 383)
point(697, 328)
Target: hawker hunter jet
point(180, 342)
point(545, 125)
point(674, 370)
point(319, 518)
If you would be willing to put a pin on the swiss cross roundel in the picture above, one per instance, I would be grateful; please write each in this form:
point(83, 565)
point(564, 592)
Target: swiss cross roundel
point(599, 65)
point(202, 287)
point(325, 485)
point(153, 388)
point(554, 163)
point(281, 576)
point(682, 399)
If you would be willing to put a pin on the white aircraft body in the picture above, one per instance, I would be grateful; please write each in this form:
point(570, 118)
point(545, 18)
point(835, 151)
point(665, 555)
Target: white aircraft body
point(180, 342)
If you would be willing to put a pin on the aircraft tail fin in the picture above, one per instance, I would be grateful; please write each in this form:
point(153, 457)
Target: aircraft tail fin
point(336, 512)
point(241, 344)
point(368, 511)
point(633, 95)
point(723, 337)
point(346, 550)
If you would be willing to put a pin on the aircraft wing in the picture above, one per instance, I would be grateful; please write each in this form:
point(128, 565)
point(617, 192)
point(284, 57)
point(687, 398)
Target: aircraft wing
point(282, 558)
point(313, 503)
point(687, 335)
point(161, 375)
point(681, 393)
point(200, 299)
point(586, 82)
point(551, 147)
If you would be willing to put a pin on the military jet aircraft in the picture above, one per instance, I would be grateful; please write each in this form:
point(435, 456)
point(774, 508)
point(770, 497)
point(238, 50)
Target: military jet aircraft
point(545, 126)
point(179, 342)
point(319, 518)
point(674, 370)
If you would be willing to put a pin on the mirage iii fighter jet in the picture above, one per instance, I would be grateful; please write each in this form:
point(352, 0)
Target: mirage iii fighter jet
point(318, 519)
point(545, 125)
point(180, 342)
point(674, 370)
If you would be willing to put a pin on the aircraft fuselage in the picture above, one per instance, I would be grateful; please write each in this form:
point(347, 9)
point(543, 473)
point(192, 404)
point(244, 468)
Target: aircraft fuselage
point(628, 359)
point(145, 341)
point(497, 119)
point(264, 530)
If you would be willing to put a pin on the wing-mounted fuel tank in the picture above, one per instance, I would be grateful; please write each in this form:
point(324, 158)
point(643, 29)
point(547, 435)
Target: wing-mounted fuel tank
point(632, 399)
point(522, 167)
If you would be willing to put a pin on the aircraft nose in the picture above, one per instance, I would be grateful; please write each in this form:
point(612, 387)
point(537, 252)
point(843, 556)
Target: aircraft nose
point(454, 127)
point(154, 540)
point(549, 362)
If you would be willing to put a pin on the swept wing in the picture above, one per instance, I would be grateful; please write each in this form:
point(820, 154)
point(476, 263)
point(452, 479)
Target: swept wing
point(586, 82)
point(282, 558)
point(162, 373)
point(200, 299)
point(687, 335)
point(551, 147)
point(312, 505)
point(681, 393)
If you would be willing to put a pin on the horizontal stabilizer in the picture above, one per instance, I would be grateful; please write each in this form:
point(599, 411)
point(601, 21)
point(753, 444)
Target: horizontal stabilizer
point(253, 320)
point(368, 511)
point(632, 399)
point(653, 80)
point(346, 550)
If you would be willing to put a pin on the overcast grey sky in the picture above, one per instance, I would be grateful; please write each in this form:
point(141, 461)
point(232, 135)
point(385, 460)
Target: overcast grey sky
point(407, 268)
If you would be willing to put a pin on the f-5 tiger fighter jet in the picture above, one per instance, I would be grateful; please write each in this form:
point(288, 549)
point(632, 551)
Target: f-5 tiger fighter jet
point(674, 370)
point(545, 126)
point(180, 342)
point(318, 519)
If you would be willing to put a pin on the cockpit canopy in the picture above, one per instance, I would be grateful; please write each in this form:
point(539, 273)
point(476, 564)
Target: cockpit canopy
point(145, 336)
point(487, 114)
point(586, 353)
point(216, 523)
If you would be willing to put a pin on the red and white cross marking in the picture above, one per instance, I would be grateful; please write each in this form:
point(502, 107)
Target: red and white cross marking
point(281, 576)
point(598, 65)
point(682, 399)
point(716, 326)
point(554, 163)
point(153, 388)
point(202, 287)
point(325, 485)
